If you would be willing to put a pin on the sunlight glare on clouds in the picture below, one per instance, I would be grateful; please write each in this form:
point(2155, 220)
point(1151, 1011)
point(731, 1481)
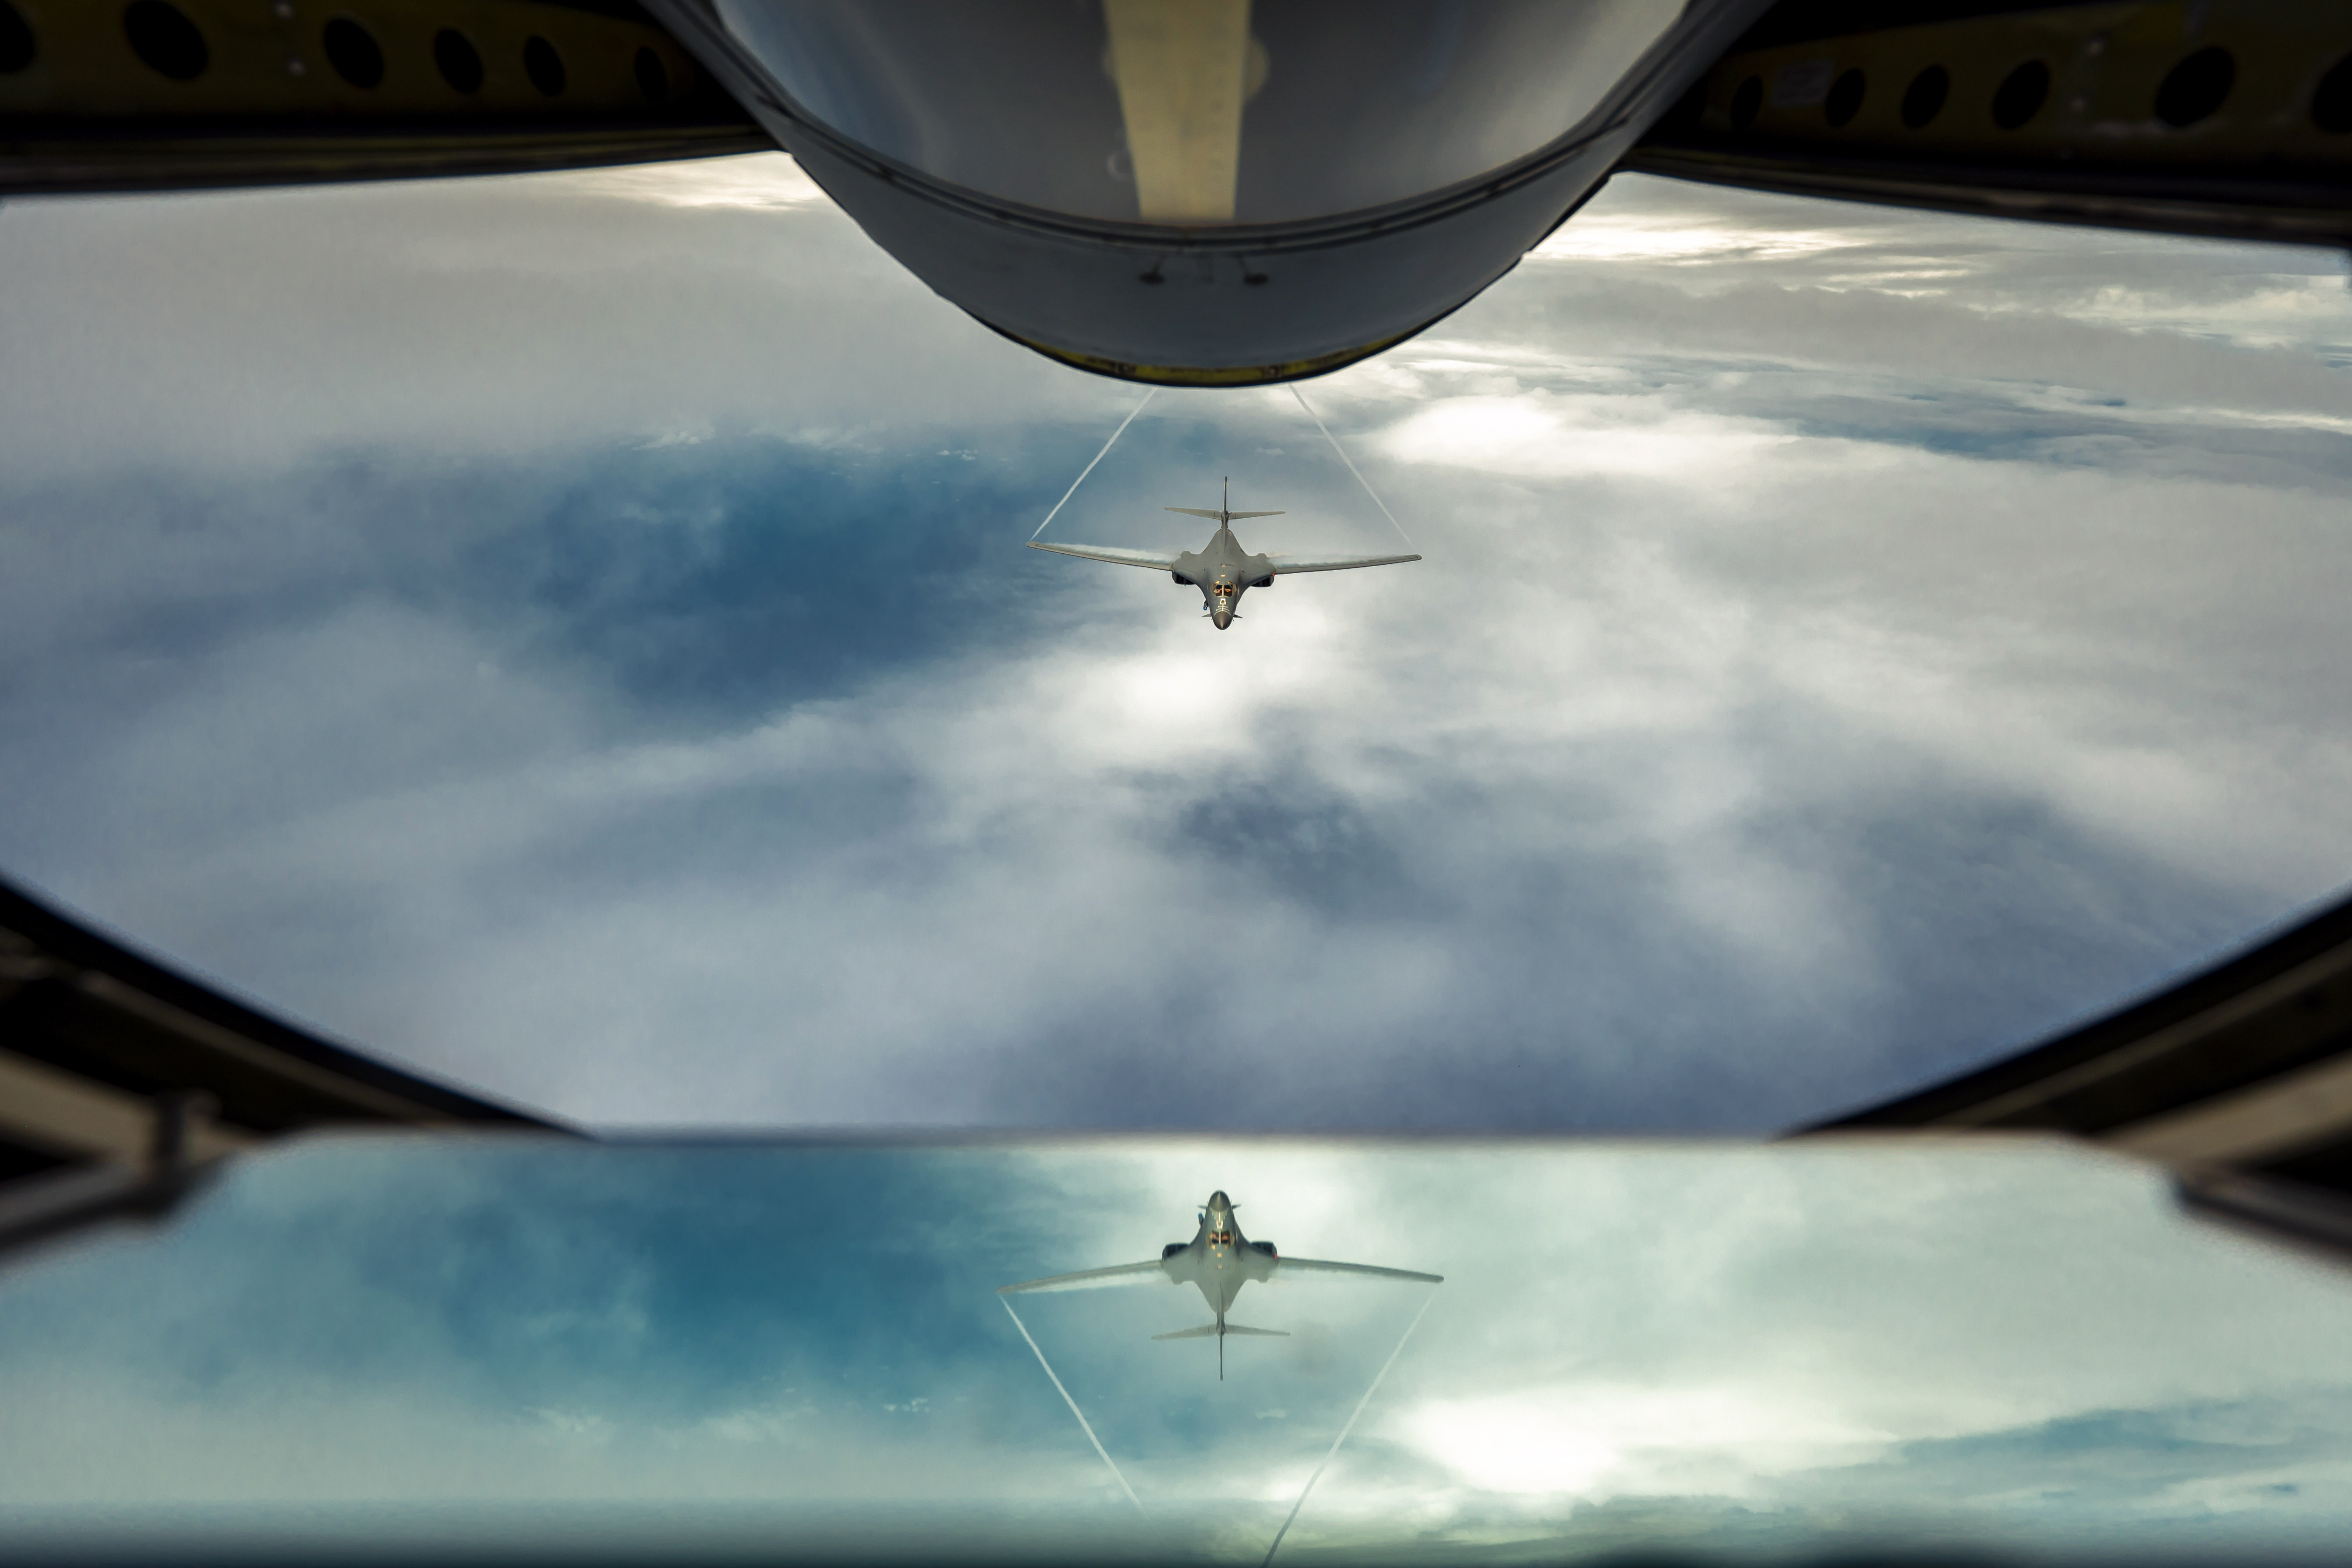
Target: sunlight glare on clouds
point(1589, 1442)
point(1174, 702)
point(1599, 237)
point(1551, 436)
point(749, 180)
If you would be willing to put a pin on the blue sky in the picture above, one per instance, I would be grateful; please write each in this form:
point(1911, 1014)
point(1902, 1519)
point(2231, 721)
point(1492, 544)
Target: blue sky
point(570, 634)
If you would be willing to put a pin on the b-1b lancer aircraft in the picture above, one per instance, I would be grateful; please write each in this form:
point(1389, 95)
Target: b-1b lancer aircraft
point(1219, 1260)
point(1221, 569)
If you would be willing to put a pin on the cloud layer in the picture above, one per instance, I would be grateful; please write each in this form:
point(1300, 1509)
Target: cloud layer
point(570, 634)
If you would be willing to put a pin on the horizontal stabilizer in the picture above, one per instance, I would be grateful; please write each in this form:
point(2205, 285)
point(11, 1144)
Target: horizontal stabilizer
point(1156, 559)
point(1196, 511)
point(1209, 1332)
point(1284, 564)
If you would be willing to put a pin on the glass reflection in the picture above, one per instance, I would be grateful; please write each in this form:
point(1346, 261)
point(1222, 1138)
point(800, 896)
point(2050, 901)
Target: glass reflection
point(1207, 112)
point(1742, 1352)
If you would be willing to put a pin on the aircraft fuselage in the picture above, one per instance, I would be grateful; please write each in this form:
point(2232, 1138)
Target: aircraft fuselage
point(1219, 1258)
point(1223, 572)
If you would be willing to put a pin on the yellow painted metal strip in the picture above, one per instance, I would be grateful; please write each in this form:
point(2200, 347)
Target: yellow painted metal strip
point(1182, 67)
point(72, 1117)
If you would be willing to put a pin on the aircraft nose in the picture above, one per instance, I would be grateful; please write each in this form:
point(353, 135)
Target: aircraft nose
point(1222, 616)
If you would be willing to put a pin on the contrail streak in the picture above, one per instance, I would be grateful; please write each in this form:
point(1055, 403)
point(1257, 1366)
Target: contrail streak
point(1343, 458)
point(1041, 528)
point(1064, 1393)
point(1367, 1399)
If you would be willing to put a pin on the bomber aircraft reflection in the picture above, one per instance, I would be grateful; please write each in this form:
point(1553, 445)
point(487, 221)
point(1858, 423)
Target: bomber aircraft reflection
point(1220, 1260)
point(516, 1348)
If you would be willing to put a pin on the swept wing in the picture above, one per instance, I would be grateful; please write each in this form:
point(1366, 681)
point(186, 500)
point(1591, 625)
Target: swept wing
point(1289, 1266)
point(1095, 1278)
point(1284, 564)
point(1156, 559)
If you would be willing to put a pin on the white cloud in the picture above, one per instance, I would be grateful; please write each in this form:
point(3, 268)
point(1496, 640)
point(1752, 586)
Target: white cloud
point(1790, 654)
point(1609, 236)
point(1593, 1442)
point(754, 180)
point(535, 313)
point(1542, 435)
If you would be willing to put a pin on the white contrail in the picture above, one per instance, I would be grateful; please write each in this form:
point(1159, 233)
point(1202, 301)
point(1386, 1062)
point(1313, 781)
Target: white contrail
point(1064, 1393)
point(1350, 1427)
point(1066, 500)
point(1343, 458)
